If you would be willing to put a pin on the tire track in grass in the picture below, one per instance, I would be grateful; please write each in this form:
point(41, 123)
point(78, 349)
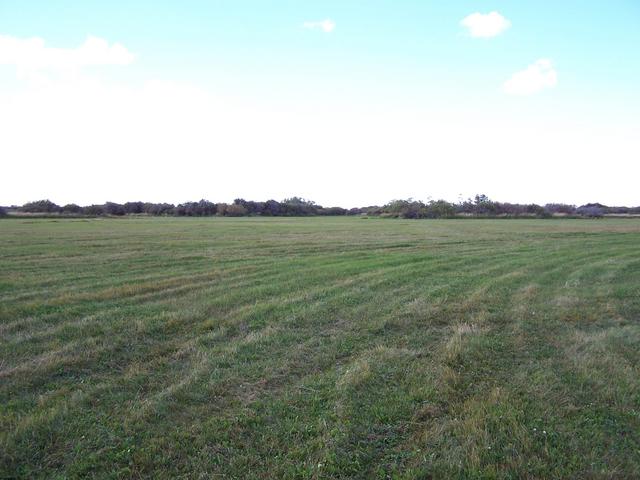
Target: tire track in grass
point(184, 290)
point(456, 379)
point(355, 353)
point(245, 281)
point(366, 321)
point(382, 273)
point(528, 445)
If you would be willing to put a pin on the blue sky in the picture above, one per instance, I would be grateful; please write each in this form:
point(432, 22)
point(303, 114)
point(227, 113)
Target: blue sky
point(397, 86)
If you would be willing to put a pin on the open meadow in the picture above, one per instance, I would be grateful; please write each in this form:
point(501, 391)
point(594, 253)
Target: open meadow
point(319, 348)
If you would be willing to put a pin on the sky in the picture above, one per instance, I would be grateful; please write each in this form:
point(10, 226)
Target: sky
point(345, 102)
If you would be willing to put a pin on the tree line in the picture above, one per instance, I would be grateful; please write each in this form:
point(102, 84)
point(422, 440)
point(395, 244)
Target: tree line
point(478, 206)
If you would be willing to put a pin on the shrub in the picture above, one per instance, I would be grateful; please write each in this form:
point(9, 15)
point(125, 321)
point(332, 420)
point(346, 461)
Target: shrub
point(94, 210)
point(591, 211)
point(111, 208)
point(133, 207)
point(483, 206)
point(560, 208)
point(409, 208)
point(272, 208)
point(72, 208)
point(538, 211)
point(232, 210)
point(333, 211)
point(158, 209)
point(252, 208)
point(203, 208)
point(41, 206)
point(440, 209)
point(298, 206)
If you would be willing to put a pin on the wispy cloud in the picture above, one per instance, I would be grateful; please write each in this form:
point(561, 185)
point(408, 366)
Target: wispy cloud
point(485, 25)
point(31, 55)
point(535, 78)
point(327, 26)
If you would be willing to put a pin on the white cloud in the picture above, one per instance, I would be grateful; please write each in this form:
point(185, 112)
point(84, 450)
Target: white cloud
point(535, 78)
point(327, 26)
point(31, 55)
point(485, 25)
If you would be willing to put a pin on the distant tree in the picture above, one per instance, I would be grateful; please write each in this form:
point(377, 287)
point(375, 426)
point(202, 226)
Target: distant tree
point(591, 210)
point(509, 209)
point(233, 210)
point(409, 208)
point(333, 211)
point(537, 210)
point(94, 210)
point(3, 212)
point(414, 210)
point(466, 206)
point(41, 206)
point(203, 208)
point(134, 207)
point(272, 208)
point(298, 201)
point(159, 209)
point(252, 208)
point(619, 210)
point(480, 205)
point(371, 210)
point(72, 208)
point(297, 206)
point(440, 209)
point(560, 208)
point(207, 208)
point(396, 206)
point(483, 206)
point(180, 210)
point(111, 208)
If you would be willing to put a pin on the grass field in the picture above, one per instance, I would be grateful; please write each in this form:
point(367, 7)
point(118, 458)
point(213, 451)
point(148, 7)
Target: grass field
point(319, 348)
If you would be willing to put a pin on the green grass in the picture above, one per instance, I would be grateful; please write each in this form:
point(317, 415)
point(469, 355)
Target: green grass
point(319, 348)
